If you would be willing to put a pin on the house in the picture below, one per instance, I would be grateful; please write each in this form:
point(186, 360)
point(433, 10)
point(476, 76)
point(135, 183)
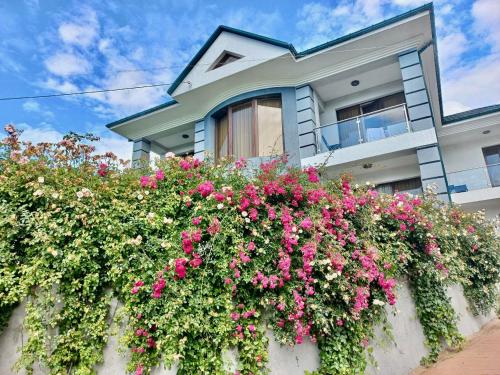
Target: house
point(368, 103)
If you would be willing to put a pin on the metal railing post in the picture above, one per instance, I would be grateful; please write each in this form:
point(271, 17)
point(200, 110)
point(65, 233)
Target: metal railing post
point(358, 122)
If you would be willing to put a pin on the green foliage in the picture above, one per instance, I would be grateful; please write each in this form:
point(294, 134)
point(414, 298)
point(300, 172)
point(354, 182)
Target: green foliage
point(202, 272)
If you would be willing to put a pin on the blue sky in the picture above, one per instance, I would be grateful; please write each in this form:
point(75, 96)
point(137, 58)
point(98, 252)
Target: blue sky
point(49, 46)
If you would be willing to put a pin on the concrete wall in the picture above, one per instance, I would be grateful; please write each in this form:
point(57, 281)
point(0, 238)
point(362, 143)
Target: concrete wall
point(393, 358)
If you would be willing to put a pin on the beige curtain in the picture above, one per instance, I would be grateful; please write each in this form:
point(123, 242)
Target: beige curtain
point(222, 137)
point(269, 127)
point(243, 137)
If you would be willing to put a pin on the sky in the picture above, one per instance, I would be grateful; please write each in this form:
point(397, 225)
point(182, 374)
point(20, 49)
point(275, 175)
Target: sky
point(49, 46)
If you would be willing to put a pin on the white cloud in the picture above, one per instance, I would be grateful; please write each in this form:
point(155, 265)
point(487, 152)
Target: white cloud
point(42, 133)
point(46, 132)
point(82, 31)
point(31, 106)
point(472, 86)
point(487, 21)
point(66, 64)
point(451, 48)
point(35, 107)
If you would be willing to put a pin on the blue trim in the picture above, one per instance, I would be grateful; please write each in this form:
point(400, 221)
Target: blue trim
point(477, 112)
point(139, 114)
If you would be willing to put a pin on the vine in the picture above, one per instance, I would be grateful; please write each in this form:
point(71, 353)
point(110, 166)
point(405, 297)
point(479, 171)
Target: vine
point(206, 258)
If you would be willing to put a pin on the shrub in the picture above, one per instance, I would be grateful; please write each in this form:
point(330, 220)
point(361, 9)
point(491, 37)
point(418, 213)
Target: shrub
point(205, 257)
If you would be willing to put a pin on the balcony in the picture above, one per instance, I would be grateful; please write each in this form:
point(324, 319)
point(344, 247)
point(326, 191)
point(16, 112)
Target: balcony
point(475, 184)
point(374, 126)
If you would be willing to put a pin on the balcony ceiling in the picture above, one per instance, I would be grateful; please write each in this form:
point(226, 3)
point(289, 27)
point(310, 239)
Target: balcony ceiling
point(369, 76)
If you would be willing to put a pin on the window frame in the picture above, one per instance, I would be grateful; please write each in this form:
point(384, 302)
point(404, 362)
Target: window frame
point(228, 111)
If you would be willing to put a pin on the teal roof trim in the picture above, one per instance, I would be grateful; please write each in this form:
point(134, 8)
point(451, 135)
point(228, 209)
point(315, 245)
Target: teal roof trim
point(377, 26)
point(139, 114)
point(466, 115)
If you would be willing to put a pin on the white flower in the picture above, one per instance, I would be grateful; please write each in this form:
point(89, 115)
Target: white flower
point(332, 276)
point(168, 220)
point(294, 229)
point(220, 206)
point(266, 241)
point(151, 216)
point(38, 193)
point(247, 220)
point(244, 214)
point(55, 195)
point(378, 302)
point(41, 179)
point(169, 155)
point(146, 192)
point(79, 194)
point(140, 197)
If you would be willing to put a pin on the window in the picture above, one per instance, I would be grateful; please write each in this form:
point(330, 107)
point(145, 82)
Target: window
point(372, 106)
point(224, 59)
point(411, 185)
point(250, 129)
point(492, 159)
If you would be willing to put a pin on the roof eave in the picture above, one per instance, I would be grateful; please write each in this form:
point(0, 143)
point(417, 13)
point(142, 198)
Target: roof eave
point(148, 111)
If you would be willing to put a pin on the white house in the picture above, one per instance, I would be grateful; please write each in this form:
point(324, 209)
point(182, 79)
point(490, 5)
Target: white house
point(368, 103)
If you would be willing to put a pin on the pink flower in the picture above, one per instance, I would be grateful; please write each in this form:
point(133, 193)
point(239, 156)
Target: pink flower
point(180, 268)
point(312, 174)
point(339, 322)
point(227, 281)
point(244, 258)
point(235, 316)
point(158, 287)
point(139, 370)
point(187, 245)
point(160, 175)
point(251, 328)
point(306, 223)
point(402, 227)
point(214, 227)
point(103, 169)
point(196, 261)
point(184, 164)
point(219, 197)
point(196, 220)
point(240, 163)
point(251, 246)
point(205, 188)
point(144, 181)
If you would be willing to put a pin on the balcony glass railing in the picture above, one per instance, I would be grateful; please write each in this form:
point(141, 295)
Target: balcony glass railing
point(474, 179)
point(373, 126)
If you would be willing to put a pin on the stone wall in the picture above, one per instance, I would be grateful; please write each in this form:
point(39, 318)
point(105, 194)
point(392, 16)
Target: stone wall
point(396, 357)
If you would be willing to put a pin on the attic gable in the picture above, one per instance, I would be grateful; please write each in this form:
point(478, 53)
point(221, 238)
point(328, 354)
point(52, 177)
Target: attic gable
point(228, 51)
point(225, 58)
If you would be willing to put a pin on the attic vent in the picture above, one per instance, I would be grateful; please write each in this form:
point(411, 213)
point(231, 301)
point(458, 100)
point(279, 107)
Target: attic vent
point(224, 59)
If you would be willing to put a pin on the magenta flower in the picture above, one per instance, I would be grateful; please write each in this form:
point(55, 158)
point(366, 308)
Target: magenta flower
point(205, 188)
point(306, 223)
point(180, 268)
point(160, 175)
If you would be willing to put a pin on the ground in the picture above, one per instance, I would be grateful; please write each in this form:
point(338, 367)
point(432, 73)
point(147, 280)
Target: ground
point(480, 356)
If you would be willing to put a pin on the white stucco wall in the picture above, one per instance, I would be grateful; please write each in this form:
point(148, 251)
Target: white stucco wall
point(393, 358)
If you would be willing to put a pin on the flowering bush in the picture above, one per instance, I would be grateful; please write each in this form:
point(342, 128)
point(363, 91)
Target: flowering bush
point(205, 258)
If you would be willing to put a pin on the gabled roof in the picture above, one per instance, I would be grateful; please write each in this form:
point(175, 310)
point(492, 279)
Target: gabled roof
point(212, 39)
point(290, 46)
point(466, 115)
point(275, 42)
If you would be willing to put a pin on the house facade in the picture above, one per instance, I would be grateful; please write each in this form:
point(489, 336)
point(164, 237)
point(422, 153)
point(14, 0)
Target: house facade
point(368, 104)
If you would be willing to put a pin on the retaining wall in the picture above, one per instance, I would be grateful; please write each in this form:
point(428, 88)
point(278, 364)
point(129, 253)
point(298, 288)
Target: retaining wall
point(396, 357)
